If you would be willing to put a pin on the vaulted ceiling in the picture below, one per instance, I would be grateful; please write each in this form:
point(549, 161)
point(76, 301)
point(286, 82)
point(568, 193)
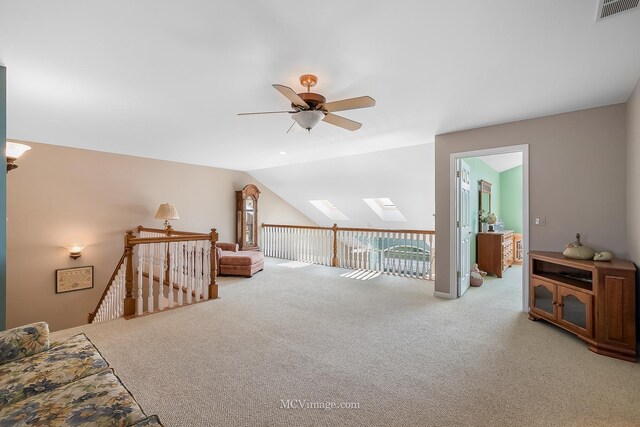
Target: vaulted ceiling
point(165, 79)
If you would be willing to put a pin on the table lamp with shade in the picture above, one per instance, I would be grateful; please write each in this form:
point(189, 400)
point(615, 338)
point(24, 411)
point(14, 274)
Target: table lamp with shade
point(167, 211)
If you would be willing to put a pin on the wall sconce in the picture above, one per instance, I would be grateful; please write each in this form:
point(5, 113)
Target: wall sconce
point(13, 151)
point(75, 250)
point(167, 211)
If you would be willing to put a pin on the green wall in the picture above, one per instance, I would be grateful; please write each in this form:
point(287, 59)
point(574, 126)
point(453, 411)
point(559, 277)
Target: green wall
point(506, 195)
point(482, 171)
point(511, 199)
point(3, 201)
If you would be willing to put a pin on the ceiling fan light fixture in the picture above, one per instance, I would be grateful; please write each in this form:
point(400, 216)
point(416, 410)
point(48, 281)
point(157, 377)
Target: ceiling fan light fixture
point(308, 81)
point(308, 119)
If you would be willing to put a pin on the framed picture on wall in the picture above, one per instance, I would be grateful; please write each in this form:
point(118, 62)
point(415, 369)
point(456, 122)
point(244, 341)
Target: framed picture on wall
point(74, 279)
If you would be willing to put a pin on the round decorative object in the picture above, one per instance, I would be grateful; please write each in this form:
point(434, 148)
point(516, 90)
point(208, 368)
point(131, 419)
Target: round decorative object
point(603, 256)
point(576, 250)
point(476, 279)
point(477, 276)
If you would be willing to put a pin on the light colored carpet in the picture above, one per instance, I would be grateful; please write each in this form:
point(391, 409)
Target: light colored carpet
point(406, 357)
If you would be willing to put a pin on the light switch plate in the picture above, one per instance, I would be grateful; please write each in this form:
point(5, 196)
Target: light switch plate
point(540, 221)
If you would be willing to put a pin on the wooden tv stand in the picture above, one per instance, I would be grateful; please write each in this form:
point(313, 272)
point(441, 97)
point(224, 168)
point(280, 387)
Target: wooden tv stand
point(594, 300)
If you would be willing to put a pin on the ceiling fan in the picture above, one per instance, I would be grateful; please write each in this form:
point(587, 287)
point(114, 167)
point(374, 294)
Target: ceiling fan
point(310, 108)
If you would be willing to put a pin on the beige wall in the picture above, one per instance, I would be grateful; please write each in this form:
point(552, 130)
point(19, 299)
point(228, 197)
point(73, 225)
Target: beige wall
point(633, 175)
point(62, 195)
point(576, 178)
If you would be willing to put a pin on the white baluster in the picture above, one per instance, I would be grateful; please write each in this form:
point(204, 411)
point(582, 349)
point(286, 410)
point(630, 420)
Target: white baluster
point(287, 232)
point(403, 247)
point(412, 255)
point(171, 262)
point(180, 270)
point(423, 238)
point(265, 241)
point(198, 269)
point(340, 248)
point(139, 302)
point(207, 269)
point(121, 288)
point(323, 244)
point(376, 251)
point(189, 260)
point(328, 243)
point(285, 243)
point(151, 272)
point(432, 255)
point(161, 269)
point(396, 262)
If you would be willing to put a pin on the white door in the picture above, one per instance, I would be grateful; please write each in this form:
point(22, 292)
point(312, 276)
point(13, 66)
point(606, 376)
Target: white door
point(464, 226)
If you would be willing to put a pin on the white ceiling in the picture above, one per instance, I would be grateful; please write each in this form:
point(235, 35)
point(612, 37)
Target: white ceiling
point(503, 162)
point(165, 79)
point(405, 175)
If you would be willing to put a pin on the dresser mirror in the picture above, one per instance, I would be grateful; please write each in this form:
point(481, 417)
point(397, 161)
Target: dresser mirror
point(484, 200)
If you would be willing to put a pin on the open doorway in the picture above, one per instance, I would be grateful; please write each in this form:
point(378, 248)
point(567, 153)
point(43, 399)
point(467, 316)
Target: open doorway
point(491, 227)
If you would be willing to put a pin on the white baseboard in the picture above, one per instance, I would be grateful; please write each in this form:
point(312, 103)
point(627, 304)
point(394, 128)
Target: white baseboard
point(443, 295)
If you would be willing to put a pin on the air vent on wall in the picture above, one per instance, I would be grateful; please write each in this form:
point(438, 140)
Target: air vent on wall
point(608, 8)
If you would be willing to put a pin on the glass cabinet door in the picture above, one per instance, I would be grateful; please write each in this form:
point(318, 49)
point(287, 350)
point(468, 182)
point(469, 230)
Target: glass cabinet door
point(575, 311)
point(249, 222)
point(543, 301)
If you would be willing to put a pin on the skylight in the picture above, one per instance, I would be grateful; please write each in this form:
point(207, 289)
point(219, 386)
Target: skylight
point(384, 203)
point(385, 209)
point(329, 209)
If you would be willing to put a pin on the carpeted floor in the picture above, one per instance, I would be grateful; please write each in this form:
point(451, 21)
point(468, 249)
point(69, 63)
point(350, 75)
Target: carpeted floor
point(386, 344)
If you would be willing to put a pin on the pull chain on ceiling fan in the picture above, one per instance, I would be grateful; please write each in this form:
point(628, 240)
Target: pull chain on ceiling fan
point(310, 108)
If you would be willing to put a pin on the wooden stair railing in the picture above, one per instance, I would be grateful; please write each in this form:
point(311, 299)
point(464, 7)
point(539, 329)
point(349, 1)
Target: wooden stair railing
point(185, 259)
point(114, 311)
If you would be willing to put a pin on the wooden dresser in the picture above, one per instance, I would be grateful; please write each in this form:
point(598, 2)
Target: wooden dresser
point(595, 300)
point(518, 248)
point(495, 251)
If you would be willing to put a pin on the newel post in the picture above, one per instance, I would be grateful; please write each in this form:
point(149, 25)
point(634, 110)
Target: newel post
point(334, 260)
point(213, 287)
point(129, 300)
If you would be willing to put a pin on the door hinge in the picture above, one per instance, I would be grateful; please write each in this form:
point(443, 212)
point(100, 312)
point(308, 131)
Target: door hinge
point(458, 174)
point(458, 224)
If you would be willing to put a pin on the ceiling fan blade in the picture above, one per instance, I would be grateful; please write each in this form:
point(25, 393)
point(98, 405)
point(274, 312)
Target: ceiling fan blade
point(350, 104)
point(341, 122)
point(266, 112)
point(292, 96)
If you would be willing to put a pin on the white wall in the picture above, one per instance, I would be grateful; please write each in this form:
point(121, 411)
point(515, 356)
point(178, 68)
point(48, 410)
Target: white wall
point(405, 175)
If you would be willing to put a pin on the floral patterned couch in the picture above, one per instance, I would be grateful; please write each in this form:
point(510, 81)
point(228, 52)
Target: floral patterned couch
point(65, 384)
